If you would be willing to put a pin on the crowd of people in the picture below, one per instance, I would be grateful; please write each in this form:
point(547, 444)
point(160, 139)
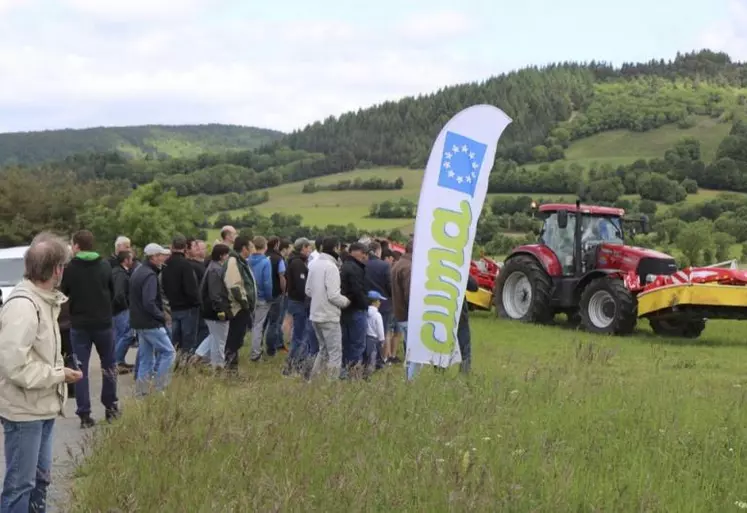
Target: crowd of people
point(342, 308)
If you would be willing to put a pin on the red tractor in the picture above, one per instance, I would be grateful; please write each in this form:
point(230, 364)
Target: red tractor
point(585, 270)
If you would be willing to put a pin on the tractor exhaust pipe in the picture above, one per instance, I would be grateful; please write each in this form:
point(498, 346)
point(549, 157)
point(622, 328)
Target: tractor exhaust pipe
point(577, 263)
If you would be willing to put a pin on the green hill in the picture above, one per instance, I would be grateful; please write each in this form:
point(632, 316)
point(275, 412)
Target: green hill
point(134, 141)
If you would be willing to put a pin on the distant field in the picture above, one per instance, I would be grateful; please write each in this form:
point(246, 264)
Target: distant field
point(623, 146)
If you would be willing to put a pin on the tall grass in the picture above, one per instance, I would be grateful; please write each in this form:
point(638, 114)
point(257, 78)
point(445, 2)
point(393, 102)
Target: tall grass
point(550, 420)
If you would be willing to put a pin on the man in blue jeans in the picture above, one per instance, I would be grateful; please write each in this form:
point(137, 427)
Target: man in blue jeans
point(296, 288)
point(123, 337)
point(87, 282)
point(354, 318)
point(32, 375)
point(182, 289)
point(274, 320)
point(156, 353)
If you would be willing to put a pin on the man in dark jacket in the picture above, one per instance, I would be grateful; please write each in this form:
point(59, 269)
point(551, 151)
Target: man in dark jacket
point(87, 282)
point(379, 279)
point(196, 257)
point(297, 305)
point(121, 310)
point(156, 353)
point(182, 290)
point(354, 318)
point(273, 322)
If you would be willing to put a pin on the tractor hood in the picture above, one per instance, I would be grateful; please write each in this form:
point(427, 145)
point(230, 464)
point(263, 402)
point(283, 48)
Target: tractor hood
point(634, 251)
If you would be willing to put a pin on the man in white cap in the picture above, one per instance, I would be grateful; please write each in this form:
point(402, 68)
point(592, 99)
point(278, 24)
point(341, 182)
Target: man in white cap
point(156, 352)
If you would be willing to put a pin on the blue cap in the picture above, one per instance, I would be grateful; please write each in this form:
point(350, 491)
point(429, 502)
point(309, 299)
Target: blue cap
point(372, 294)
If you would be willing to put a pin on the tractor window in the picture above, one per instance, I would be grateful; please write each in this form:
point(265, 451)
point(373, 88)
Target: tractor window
point(601, 229)
point(560, 241)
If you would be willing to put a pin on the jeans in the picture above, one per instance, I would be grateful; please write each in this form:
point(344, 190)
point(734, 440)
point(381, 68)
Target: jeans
point(83, 341)
point(156, 355)
point(312, 342)
point(354, 326)
point(202, 330)
point(260, 315)
point(373, 352)
point(236, 332)
point(299, 346)
point(28, 465)
point(214, 345)
point(184, 326)
point(464, 337)
point(329, 335)
point(274, 326)
point(122, 335)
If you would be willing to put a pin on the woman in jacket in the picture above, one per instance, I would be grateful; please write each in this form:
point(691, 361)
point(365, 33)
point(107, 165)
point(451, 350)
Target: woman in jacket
point(216, 308)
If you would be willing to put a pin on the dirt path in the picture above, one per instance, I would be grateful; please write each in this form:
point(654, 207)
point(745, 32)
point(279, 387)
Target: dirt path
point(71, 442)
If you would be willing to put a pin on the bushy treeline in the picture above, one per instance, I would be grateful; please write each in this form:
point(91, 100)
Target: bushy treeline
point(359, 184)
point(400, 209)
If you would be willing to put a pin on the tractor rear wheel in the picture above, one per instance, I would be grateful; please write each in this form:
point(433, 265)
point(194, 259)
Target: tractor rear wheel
point(522, 291)
point(680, 328)
point(607, 306)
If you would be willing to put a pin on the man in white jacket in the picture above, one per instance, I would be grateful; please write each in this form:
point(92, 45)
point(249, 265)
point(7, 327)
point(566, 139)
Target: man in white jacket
point(32, 375)
point(323, 287)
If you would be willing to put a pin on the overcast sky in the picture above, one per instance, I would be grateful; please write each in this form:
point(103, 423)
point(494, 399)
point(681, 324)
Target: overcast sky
point(285, 63)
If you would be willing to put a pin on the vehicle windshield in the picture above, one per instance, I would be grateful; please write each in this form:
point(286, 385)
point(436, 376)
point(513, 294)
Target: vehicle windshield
point(601, 229)
point(11, 272)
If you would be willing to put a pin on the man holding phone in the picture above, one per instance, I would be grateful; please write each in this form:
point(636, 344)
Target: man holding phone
point(32, 375)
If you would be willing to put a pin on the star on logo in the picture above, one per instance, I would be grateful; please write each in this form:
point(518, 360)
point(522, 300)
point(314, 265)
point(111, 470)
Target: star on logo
point(451, 174)
point(448, 155)
point(469, 179)
point(475, 165)
point(472, 155)
point(460, 179)
point(474, 175)
point(447, 164)
point(455, 148)
point(465, 148)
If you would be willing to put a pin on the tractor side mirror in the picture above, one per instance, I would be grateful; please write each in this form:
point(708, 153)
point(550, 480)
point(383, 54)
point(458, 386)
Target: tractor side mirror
point(562, 219)
point(644, 224)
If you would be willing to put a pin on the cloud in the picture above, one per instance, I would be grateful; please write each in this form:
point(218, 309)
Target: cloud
point(131, 63)
point(729, 35)
point(437, 25)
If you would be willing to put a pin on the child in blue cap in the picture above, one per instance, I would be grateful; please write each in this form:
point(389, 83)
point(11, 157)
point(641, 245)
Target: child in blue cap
point(375, 334)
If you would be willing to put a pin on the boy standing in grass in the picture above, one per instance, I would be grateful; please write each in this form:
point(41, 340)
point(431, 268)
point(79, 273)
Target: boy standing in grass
point(375, 334)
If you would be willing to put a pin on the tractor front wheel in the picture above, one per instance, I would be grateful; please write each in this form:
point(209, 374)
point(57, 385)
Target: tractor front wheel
point(607, 306)
point(522, 291)
point(679, 328)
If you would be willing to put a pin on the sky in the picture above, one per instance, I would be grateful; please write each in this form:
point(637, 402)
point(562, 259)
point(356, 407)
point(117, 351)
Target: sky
point(283, 64)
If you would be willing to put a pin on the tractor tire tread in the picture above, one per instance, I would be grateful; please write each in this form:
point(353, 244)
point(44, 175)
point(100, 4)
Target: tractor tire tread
point(626, 317)
point(540, 311)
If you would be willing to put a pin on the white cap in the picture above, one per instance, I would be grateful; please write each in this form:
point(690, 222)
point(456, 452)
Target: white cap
point(154, 249)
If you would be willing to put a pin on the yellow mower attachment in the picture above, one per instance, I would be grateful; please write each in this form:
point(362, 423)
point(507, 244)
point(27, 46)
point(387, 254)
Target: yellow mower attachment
point(481, 299)
point(708, 300)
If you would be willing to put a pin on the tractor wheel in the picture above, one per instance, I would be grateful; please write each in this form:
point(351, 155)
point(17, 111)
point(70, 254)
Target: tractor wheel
point(608, 307)
point(680, 328)
point(522, 291)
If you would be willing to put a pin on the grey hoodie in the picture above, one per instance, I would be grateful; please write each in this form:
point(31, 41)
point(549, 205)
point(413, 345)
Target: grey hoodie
point(323, 287)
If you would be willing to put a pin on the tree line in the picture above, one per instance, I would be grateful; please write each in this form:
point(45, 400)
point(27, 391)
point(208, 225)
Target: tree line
point(400, 209)
point(359, 184)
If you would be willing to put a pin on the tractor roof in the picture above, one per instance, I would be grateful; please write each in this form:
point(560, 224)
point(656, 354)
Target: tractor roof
point(585, 209)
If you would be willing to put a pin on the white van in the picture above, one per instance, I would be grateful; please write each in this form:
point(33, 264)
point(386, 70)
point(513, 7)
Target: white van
point(11, 269)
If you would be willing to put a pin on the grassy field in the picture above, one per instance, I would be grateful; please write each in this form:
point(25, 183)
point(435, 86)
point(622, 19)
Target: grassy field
point(550, 420)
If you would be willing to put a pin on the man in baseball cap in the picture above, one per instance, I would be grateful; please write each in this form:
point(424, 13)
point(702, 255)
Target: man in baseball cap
point(147, 318)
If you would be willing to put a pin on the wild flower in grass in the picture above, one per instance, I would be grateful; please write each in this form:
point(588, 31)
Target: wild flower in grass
point(518, 452)
point(741, 504)
point(440, 460)
point(514, 393)
point(485, 438)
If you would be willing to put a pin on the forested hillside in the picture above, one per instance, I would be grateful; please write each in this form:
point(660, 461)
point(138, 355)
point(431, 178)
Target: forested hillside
point(133, 141)
point(549, 106)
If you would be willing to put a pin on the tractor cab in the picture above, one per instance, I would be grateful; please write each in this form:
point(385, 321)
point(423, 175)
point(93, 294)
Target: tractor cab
point(561, 232)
